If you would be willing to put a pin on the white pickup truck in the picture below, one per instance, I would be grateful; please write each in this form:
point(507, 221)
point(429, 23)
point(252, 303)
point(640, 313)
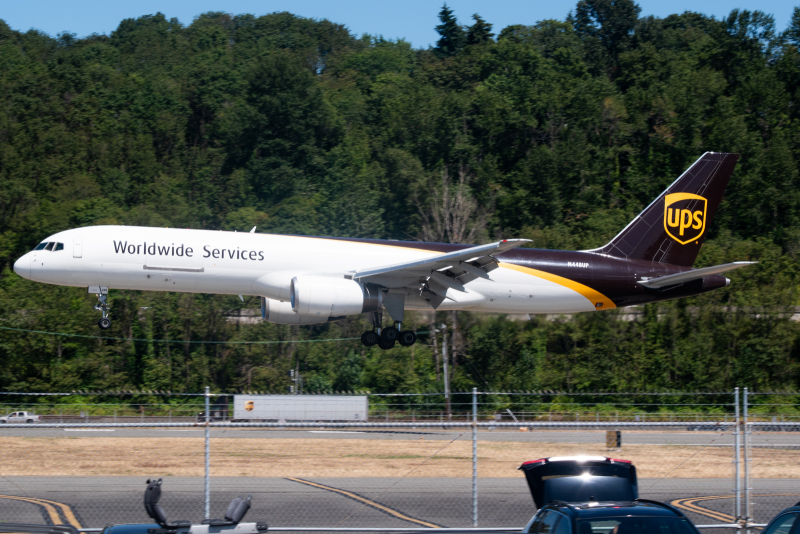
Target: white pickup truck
point(19, 417)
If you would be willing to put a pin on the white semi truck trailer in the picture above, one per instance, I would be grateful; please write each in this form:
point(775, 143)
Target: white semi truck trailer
point(300, 408)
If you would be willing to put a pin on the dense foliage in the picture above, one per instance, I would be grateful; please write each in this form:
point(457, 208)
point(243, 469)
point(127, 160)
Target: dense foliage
point(559, 132)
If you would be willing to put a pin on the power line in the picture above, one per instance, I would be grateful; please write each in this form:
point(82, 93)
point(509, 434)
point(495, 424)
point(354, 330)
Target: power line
point(63, 334)
point(177, 340)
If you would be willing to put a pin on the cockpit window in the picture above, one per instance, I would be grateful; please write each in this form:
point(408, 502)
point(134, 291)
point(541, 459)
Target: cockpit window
point(40, 246)
point(59, 246)
point(50, 246)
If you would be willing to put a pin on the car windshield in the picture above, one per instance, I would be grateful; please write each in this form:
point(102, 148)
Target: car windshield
point(636, 525)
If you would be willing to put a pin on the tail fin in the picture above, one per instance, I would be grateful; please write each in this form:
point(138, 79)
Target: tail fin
point(671, 229)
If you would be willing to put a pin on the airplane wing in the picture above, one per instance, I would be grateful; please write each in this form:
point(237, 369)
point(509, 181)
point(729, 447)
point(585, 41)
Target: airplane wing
point(443, 272)
point(444, 260)
point(679, 278)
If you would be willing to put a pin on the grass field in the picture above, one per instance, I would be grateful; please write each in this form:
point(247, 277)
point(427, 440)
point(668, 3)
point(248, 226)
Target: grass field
point(117, 456)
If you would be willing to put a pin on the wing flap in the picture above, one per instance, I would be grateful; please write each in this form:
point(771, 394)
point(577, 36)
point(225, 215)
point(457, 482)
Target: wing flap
point(680, 278)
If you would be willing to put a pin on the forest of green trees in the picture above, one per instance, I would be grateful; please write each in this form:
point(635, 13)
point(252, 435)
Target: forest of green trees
point(559, 131)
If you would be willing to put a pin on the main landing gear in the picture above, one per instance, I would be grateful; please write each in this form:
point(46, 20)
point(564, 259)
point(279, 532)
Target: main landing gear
point(385, 338)
point(102, 305)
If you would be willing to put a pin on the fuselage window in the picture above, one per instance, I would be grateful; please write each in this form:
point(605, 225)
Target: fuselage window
point(50, 245)
point(59, 246)
point(40, 246)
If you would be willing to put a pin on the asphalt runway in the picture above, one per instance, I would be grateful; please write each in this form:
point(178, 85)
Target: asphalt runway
point(783, 440)
point(348, 502)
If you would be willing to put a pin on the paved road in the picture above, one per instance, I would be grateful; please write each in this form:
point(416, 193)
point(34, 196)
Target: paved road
point(346, 502)
point(788, 440)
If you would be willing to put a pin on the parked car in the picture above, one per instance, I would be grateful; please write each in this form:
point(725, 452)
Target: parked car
point(785, 522)
point(595, 495)
point(19, 417)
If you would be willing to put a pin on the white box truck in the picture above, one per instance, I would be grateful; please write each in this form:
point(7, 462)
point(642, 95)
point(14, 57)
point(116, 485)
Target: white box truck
point(300, 408)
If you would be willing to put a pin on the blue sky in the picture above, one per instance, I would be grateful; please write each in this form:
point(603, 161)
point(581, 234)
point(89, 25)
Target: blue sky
point(413, 20)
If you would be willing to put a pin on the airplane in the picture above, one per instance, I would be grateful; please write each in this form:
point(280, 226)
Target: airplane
point(311, 280)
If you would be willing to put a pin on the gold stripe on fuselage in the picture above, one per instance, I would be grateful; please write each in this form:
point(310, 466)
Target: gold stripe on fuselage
point(593, 296)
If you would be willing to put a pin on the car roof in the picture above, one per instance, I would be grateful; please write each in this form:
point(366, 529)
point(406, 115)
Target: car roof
point(640, 508)
point(795, 508)
point(130, 528)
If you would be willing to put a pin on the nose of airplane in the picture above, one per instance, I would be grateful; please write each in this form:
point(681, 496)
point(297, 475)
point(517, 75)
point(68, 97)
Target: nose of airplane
point(23, 266)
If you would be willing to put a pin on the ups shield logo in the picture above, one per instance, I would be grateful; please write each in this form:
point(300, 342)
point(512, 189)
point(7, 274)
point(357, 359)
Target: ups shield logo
point(685, 216)
point(249, 405)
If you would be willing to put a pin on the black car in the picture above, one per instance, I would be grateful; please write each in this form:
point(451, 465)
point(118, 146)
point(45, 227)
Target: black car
point(785, 522)
point(595, 495)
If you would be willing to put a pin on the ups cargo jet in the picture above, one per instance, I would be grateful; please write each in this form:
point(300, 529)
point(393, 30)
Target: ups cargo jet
point(307, 280)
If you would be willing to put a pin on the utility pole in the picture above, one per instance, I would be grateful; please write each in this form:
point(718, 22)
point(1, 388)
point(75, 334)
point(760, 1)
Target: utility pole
point(297, 378)
point(446, 373)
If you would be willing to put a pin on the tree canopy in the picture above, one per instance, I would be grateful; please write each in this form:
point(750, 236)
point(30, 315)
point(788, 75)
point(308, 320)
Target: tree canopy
point(559, 131)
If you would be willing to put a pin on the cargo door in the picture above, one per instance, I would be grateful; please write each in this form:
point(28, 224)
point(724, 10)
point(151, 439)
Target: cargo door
point(580, 480)
point(77, 247)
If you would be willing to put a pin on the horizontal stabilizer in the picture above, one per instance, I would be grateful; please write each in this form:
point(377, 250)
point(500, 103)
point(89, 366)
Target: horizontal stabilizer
point(688, 276)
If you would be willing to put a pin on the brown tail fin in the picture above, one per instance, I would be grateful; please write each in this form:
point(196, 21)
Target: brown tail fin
point(671, 229)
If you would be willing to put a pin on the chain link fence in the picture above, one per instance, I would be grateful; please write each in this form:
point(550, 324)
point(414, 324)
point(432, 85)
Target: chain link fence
point(772, 427)
point(427, 467)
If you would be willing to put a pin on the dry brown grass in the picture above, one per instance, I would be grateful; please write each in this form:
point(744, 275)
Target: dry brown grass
point(96, 456)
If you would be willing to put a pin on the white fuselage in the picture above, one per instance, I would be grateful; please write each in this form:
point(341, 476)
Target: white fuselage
point(239, 263)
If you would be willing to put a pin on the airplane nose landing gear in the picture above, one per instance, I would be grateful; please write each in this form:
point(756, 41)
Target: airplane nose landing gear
point(102, 305)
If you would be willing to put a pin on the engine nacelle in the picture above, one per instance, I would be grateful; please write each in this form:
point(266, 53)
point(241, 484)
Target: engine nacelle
point(278, 312)
point(323, 296)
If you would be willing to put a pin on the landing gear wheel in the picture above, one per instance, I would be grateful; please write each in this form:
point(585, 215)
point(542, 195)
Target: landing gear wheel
point(102, 305)
point(369, 338)
point(384, 345)
point(389, 334)
point(407, 338)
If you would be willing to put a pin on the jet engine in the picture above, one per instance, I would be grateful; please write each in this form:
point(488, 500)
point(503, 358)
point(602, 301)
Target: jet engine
point(279, 312)
point(319, 299)
point(323, 296)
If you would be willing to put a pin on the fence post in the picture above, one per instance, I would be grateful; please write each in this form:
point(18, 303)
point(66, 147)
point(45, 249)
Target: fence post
point(474, 457)
point(207, 485)
point(746, 444)
point(737, 487)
